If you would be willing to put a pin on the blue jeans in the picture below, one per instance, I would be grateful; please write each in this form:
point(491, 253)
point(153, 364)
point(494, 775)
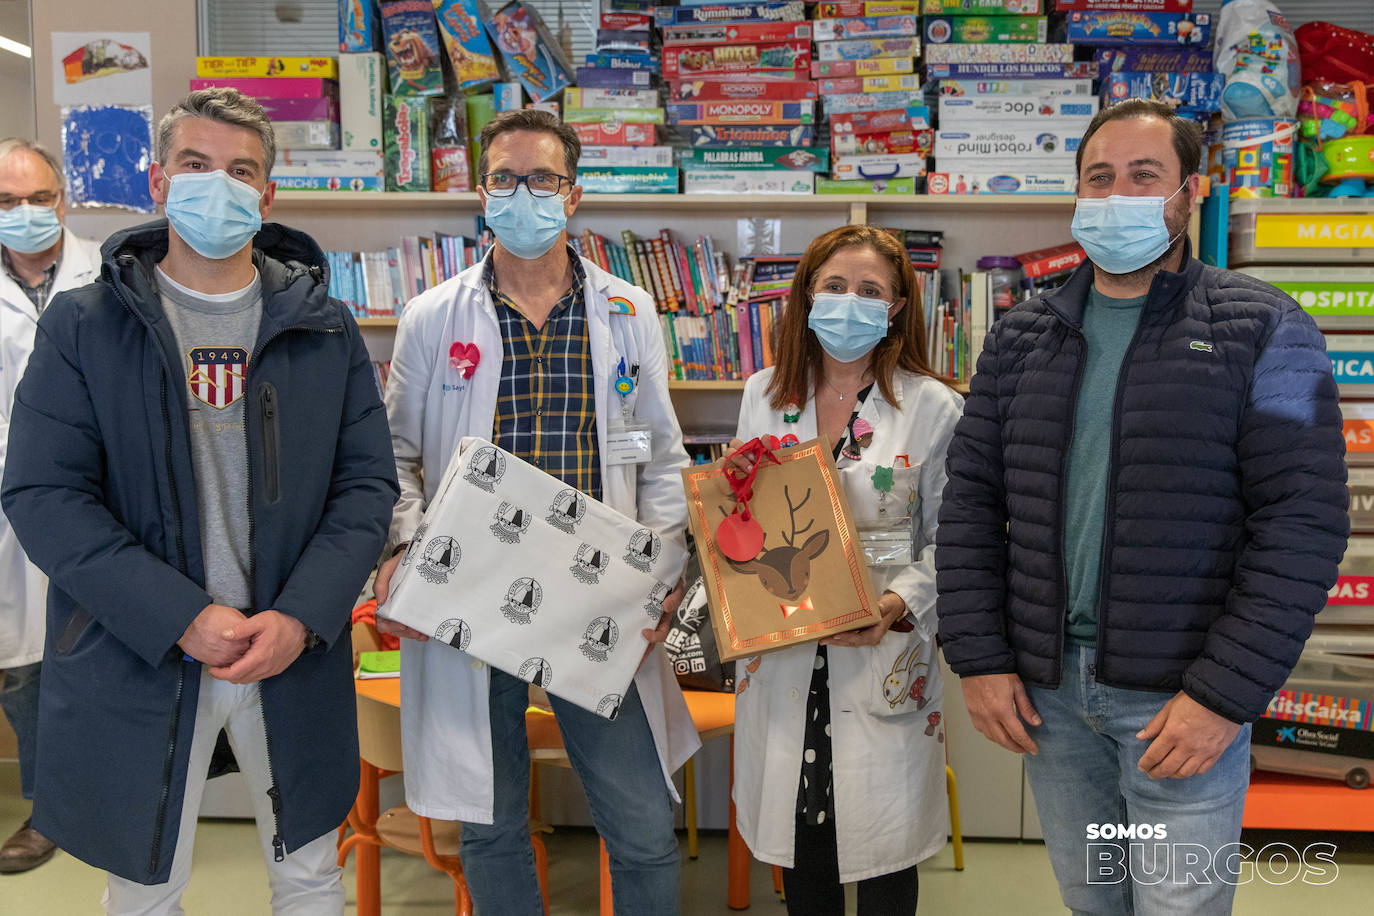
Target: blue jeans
point(19, 698)
point(620, 771)
point(1086, 774)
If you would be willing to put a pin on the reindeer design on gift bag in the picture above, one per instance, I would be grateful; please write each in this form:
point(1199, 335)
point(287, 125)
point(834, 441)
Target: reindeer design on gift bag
point(785, 571)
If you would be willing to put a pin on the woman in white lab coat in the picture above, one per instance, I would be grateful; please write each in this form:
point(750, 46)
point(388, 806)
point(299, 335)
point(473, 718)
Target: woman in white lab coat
point(839, 747)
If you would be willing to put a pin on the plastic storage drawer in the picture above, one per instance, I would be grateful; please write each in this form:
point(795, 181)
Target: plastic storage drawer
point(1351, 599)
point(1359, 433)
point(1321, 723)
point(1338, 300)
point(1282, 230)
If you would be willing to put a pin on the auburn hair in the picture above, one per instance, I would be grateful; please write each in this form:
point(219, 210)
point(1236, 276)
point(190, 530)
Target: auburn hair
point(797, 368)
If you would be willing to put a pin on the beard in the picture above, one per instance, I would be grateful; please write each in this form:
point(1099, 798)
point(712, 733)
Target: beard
point(1177, 214)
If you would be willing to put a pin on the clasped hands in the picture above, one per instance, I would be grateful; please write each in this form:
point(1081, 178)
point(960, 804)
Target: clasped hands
point(242, 649)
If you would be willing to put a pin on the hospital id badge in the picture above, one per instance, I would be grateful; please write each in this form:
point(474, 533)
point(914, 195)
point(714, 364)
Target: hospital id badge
point(629, 443)
point(886, 543)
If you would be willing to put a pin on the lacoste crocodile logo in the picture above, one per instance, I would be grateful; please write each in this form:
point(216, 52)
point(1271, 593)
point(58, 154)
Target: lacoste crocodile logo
point(1201, 346)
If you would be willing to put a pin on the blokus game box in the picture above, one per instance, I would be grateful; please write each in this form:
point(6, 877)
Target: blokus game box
point(406, 127)
point(530, 52)
point(412, 47)
point(469, 50)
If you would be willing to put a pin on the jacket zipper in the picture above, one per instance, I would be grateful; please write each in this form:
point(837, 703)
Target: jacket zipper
point(1063, 469)
point(169, 760)
point(271, 444)
point(268, 398)
point(1109, 510)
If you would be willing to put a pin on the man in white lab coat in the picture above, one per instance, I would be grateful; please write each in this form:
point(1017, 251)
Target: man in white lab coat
point(40, 259)
point(551, 358)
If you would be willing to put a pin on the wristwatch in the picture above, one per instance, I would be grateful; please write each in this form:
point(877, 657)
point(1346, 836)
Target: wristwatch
point(312, 640)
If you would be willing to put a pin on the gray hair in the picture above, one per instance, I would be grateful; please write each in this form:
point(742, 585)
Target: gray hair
point(228, 106)
point(12, 145)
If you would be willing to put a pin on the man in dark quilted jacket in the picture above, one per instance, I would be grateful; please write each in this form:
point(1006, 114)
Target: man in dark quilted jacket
point(1145, 509)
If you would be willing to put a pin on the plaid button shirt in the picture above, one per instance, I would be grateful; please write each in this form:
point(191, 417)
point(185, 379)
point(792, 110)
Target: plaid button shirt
point(546, 402)
point(38, 295)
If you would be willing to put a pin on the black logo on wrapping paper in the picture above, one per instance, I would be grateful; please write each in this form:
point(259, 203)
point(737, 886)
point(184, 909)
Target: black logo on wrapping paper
point(522, 600)
point(654, 603)
point(599, 639)
point(455, 632)
point(609, 705)
point(440, 560)
point(644, 549)
point(569, 507)
point(511, 523)
point(413, 549)
point(589, 564)
point(537, 671)
point(486, 468)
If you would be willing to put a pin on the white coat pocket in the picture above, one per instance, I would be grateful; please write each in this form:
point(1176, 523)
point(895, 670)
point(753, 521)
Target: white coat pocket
point(904, 677)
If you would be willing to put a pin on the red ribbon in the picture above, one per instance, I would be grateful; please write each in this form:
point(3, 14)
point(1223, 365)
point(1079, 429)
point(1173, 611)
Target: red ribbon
point(739, 536)
point(744, 489)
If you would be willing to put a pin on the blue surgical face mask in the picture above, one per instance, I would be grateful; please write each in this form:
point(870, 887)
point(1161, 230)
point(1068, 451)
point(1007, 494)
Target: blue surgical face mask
point(525, 225)
point(1122, 234)
point(215, 214)
point(847, 325)
point(28, 229)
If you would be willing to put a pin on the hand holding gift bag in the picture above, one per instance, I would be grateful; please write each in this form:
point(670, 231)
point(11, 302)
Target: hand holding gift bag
point(516, 568)
point(780, 556)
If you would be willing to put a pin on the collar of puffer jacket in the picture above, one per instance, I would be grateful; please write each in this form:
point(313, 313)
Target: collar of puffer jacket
point(1069, 300)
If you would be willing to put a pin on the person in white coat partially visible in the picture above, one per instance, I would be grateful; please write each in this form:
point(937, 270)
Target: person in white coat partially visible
point(40, 259)
point(839, 747)
point(555, 361)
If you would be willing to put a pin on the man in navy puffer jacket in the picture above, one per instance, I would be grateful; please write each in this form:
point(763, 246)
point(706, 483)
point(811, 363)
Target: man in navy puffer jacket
point(1145, 509)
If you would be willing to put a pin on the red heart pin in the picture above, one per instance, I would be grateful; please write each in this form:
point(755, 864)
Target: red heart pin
point(464, 357)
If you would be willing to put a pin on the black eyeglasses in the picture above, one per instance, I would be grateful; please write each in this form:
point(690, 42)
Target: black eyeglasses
point(540, 184)
point(37, 199)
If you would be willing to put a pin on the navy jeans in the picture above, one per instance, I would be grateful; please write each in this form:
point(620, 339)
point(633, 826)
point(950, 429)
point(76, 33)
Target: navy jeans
point(19, 698)
point(1085, 776)
point(620, 771)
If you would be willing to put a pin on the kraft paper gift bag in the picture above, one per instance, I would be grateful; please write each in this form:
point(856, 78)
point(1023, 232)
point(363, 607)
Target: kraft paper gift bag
point(516, 568)
point(808, 580)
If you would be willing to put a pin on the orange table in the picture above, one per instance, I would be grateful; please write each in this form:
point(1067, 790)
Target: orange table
point(713, 714)
point(1277, 801)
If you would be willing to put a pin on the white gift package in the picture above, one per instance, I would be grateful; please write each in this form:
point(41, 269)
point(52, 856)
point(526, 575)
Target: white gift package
point(533, 577)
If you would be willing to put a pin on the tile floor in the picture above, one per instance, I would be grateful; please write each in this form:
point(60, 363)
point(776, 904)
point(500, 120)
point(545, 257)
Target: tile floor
point(999, 877)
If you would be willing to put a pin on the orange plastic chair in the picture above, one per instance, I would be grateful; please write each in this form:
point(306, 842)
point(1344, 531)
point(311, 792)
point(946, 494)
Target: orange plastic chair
point(379, 746)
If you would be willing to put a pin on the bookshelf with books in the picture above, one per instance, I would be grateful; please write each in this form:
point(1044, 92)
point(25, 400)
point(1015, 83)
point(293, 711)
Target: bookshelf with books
point(972, 226)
